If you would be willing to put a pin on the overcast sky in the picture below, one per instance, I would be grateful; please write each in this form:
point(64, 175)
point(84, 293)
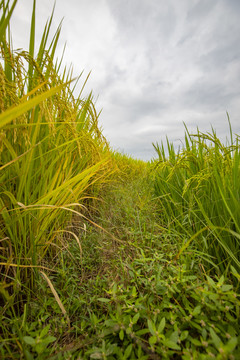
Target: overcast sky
point(155, 64)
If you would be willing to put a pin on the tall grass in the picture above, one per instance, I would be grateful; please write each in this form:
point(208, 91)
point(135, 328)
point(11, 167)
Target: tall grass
point(53, 155)
point(198, 190)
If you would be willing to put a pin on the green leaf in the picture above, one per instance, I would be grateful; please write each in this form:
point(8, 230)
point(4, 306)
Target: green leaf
point(235, 273)
point(197, 310)
point(114, 289)
point(213, 297)
point(5, 19)
point(134, 291)
point(210, 281)
point(135, 318)
point(152, 340)
point(230, 317)
point(142, 332)
point(129, 330)
point(226, 287)
point(216, 339)
point(128, 351)
point(162, 324)
point(151, 327)
point(232, 343)
point(108, 323)
point(44, 331)
point(172, 345)
point(121, 334)
point(221, 281)
point(94, 319)
point(48, 340)
point(174, 337)
point(40, 347)
point(29, 340)
point(110, 349)
point(28, 355)
point(31, 46)
point(183, 335)
point(104, 300)
point(196, 342)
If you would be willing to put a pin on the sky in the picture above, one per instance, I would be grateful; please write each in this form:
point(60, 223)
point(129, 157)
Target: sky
point(154, 64)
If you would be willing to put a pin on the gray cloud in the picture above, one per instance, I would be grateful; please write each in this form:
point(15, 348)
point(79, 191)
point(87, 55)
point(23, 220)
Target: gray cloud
point(154, 64)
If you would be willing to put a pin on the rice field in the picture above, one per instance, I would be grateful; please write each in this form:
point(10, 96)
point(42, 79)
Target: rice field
point(103, 256)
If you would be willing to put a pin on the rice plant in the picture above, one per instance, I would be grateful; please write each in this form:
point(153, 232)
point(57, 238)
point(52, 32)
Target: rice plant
point(198, 190)
point(52, 153)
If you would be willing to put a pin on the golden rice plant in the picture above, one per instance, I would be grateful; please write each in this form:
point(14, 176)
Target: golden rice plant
point(53, 155)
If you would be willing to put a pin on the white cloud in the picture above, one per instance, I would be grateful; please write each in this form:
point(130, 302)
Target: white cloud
point(154, 63)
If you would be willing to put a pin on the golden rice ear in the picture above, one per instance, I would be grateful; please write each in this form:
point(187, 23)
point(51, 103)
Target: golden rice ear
point(60, 304)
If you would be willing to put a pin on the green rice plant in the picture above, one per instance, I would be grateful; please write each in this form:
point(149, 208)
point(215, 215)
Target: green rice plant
point(198, 190)
point(128, 168)
point(53, 155)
